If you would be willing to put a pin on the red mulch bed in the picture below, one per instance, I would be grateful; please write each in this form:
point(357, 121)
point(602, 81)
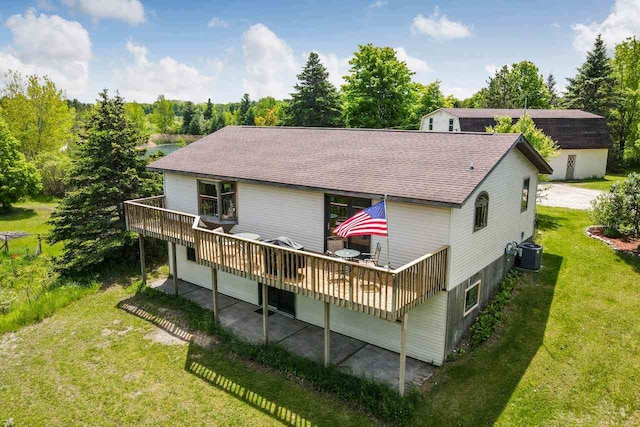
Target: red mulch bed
point(623, 243)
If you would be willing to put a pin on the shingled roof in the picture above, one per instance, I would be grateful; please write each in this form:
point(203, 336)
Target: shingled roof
point(422, 167)
point(572, 129)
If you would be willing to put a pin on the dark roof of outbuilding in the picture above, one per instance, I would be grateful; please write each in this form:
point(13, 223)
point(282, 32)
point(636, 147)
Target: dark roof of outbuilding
point(423, 167)
point(571, 129)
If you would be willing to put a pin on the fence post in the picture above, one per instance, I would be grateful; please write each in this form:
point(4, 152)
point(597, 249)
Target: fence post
point(39, 247)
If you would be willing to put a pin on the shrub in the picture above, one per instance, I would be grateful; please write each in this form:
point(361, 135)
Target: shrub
point(53, 171)
point(618, 211)
point(489, 319)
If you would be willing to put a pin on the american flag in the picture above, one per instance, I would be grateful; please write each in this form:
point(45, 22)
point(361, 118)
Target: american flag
point(368, 222)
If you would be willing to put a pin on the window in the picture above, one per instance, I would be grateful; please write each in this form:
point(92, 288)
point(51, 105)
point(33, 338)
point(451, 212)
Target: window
point(217, 197)
point(525, 195)
point(450, 125)
point(430, 123)
point(471, 297)
point(337, 210)
point(482, 211)
point(191, 254)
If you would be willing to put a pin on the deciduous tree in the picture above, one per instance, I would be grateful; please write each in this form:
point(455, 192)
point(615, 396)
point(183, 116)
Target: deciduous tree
point(625, 118)
point(18, 178)
point(106, 170)
point(513, 86)
point(378, 92)
point(37, 114)
point(547, 147)
point(163, 115)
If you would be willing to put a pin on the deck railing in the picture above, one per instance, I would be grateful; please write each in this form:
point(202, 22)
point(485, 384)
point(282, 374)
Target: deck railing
point(381, 292)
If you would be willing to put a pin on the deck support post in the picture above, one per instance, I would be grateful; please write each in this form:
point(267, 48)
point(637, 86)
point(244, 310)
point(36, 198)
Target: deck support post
point(403, 352)
point(174, 264)
point(265, 312)
point(214, 289)
point(327, 335)
point(143, 267)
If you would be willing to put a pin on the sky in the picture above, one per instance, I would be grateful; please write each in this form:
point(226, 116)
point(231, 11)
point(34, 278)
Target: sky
point(195, 50)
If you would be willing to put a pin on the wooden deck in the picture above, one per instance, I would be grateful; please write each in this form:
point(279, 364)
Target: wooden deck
point(377, 291)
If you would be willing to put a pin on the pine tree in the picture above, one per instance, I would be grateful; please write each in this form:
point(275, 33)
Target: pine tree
point(106, 170)
point(187, 116)
point(315, 101)
point(208, 112)
point(246, 112)
point(196, 126)
point(553, 91)
point(593, 88)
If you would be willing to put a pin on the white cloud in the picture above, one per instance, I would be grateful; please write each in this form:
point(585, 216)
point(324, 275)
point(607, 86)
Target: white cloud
point(458, 92)
point(378, 4)
point(218, 22)
point(48, 45)
point(143, 80)
point(129, 11)
point(440, 27)
point(491, 69)
point(414, 64)
point(622, 22)
point(269, 63)
point(554, 25)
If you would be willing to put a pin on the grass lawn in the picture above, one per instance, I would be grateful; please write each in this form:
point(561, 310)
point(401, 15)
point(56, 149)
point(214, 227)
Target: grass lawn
point(30, 217)
point(567, 354)
point(605, 183)
point(568, 350)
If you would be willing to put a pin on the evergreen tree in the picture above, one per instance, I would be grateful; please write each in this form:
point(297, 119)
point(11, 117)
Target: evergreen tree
point(18, 178)
point(187, 116)
point(208, 112)
point(106, 170)
point(593, 88)
point(378, 92)
point(315, 101)
point(196, 126)
point(246, 112)
point(554, 99)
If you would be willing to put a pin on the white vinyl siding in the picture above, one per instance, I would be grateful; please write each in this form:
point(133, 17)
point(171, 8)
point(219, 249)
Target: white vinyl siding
point(278, 211)
point(590, 163)
point(471, 252)
point(440, 122)
point(414, 230)
point(181, 193)
point(425, 333)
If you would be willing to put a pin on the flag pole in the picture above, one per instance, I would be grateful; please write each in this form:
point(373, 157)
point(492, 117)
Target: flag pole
point(386, 216)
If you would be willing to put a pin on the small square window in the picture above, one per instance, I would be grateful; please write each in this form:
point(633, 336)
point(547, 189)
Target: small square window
point(191, 254)
point(471, 297)
point(524, 204)
point(450, 125)
point(430, 123)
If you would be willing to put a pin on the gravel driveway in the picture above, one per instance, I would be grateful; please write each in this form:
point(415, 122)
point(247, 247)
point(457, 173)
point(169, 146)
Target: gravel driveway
point(567, 196)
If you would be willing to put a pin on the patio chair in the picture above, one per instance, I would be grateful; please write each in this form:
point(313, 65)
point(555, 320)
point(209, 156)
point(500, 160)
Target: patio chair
point(372, 258)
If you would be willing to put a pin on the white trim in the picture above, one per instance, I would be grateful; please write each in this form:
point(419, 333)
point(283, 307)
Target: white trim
point(478, 283)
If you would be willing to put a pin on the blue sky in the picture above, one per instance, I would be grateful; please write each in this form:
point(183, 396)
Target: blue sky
point(196, 50)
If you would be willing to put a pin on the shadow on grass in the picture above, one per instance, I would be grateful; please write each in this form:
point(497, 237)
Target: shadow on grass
point(219, 369)
point(18, 214)
point(548, 222)
point(633, 261)
point(475, 389)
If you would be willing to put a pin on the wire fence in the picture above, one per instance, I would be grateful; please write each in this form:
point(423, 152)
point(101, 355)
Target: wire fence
point(7, 237)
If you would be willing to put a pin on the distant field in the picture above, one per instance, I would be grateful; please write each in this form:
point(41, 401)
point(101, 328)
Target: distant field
point(603, 184)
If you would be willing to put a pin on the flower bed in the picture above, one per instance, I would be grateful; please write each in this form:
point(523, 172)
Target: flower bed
point(625, 244)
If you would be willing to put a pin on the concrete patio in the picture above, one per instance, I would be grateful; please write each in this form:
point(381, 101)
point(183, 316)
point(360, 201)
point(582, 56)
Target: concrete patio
point(349, 354)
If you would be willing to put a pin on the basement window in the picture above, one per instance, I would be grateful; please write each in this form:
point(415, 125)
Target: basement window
point(450, 125)
point(471, 297)
point(481, 212)
point(524, 205)
point(191, 254)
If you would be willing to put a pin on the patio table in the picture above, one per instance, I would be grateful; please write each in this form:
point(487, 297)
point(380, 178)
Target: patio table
point(347, 254)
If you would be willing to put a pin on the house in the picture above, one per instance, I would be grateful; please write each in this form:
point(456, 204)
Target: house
point(455, 202)
point(583, 137)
